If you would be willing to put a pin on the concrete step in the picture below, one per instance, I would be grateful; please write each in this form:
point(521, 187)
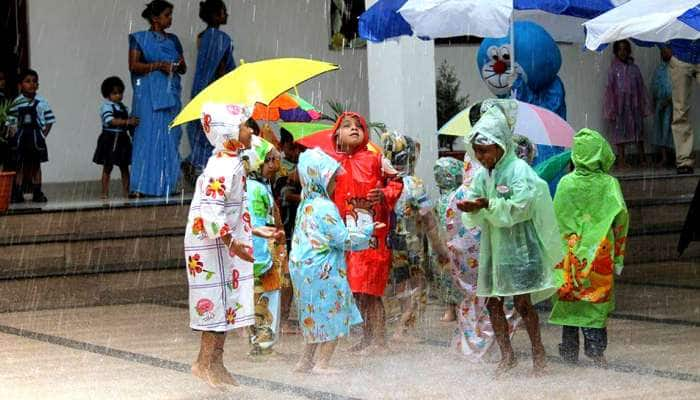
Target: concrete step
point(657, 184)
point(657, 245)
point(93, 290)
point(670, 211)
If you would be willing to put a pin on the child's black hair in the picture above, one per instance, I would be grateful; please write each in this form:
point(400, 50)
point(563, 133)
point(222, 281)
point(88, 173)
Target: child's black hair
point(475, 113)
point(155, 8)
point(286, 137)
point(250, 123)
point(617, 44)
point(109, 84)
point(27, 72)
point(209, 9)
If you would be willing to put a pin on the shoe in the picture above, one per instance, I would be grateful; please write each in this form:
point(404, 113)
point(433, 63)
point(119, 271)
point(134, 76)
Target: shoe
point(685, 170)
point(39, 197)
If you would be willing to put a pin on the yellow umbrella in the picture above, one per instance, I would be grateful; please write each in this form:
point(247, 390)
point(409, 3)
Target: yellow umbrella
point(256, 82)
point(459, 125)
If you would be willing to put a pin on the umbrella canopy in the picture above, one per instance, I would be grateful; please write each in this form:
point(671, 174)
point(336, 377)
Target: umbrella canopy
point(382, 21)
point(300, 130)
point(286, 107)
point(256, 82)
point(539, 125)
point(492, 18)
point(646, 20)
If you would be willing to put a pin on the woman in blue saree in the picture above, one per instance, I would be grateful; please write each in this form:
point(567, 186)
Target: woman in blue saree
point(156, 63)
point(214, 59)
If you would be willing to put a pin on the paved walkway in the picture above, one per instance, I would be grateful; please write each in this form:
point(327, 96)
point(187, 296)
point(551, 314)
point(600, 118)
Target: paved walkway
point(143, 351)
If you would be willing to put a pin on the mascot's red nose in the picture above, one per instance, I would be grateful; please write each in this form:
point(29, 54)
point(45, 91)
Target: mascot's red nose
point(499, 67)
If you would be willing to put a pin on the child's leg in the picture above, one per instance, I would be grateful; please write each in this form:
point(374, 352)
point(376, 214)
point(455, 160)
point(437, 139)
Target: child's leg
point(36, 181)
point(17, 192)
point(106, 172)
point(532, 324)
point(568, 349)
point(207, 367)
point(500, 330)
point(325, 352)
point(362, 304)
point(125, 180)
point(450, 314)
point(306, 362)
point(595, 341)
point(378, 320)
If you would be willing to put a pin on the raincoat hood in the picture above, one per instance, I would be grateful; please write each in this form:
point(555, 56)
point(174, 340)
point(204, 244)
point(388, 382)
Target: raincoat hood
point(221, 123)
point(316, 169)
point(496, 125)
point(363, 123)
point(448, 173)
point(591, 153)
point(401, 151)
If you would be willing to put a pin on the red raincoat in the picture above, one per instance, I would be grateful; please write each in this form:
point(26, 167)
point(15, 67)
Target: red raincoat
point(368, 270)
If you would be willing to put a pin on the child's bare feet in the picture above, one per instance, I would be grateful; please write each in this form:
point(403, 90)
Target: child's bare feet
point(539, 363)
point(325, 370)
point(402, 336)
point(303, 367)
point(507, 363)
point(358, 347)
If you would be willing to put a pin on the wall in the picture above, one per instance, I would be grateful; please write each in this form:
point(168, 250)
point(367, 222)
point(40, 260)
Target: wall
point(75, 44)
point(584, 74)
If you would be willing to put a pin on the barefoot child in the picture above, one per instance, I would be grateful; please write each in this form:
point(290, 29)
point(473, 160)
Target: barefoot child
point(366, 194)
point(415, 220)
point(218, 242)
point(325, 304)
point(519, 235)
point(593, 220)
point(114, 143)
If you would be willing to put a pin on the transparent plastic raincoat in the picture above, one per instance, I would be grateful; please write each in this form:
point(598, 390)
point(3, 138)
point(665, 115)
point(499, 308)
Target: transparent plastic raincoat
point(520, 241)
point(593, 219)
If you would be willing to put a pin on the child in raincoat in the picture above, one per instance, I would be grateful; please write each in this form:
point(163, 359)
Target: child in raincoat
point(218, 242)
point(367, 192)
point(325, 303)
point(415, 220)
point(593, 220)
point(448, 176)
point(519, 234)
point(267, 268)
point(662, 97)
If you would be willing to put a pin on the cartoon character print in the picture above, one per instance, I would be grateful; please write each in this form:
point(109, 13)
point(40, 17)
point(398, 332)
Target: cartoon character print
point(583, 282)
point(216, 187)
point(361, 213)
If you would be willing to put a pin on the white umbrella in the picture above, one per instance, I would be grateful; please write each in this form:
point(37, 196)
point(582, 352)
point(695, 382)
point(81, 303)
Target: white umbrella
point(647, 20)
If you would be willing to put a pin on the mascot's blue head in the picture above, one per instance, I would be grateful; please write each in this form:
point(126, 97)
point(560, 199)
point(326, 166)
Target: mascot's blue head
point(537, 59)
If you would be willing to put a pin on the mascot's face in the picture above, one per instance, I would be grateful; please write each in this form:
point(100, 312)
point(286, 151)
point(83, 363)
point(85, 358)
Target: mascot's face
point(495, 60)
point(537, 59)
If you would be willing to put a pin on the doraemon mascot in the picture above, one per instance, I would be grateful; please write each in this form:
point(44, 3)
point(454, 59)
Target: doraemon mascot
point(537, 62)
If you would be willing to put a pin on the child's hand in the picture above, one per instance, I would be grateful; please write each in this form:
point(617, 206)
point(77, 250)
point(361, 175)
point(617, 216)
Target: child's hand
point(472, 206)
point(240, 250)
point(379, 225)
point(268, 232)
point(375, 196)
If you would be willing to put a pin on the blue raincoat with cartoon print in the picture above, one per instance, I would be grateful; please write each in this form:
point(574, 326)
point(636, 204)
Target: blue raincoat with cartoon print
point(325, 304)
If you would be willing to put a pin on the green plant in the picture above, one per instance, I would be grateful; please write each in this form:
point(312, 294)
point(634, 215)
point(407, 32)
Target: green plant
point(449, 103)
point(5, 116)
point(338, 108)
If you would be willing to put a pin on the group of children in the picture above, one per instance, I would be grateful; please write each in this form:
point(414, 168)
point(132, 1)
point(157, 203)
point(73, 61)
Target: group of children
point(499, 240)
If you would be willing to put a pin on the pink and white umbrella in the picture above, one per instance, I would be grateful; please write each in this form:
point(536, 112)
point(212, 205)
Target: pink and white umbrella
point(539, 125)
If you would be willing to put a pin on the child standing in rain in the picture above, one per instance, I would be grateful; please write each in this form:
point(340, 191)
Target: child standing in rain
point(415, 220)
point(662, 96)
point(519, 235)
point(625, 104)
point(218, 242)
point(325, 304)
point(593, 218)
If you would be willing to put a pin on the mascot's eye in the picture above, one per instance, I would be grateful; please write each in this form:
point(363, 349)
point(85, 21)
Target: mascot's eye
point(492, 52)
point(504, 53)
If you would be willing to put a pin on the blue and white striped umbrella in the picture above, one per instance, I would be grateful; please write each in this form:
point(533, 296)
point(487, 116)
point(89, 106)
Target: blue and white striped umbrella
point(484, 18)
point(646, 20)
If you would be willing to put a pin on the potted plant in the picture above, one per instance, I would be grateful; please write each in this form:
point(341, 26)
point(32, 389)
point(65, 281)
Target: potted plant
point(6, 177)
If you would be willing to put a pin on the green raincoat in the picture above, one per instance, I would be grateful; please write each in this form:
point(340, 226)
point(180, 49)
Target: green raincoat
point(593, 220)
point(520, 241)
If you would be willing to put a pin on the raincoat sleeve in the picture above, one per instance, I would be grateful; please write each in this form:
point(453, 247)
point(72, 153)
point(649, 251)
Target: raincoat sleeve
point(338, 235)
point(515, 206)
point(476, 191)
point(392, 192)
point(620, 229)
point(218, 188)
